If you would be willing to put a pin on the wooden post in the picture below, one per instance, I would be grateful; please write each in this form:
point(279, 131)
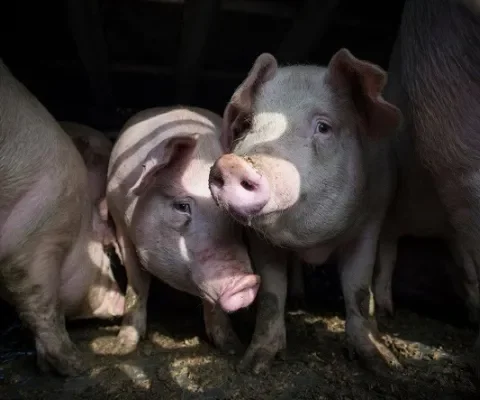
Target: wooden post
point(198, 18)
point(307, 30)
point(86, 26)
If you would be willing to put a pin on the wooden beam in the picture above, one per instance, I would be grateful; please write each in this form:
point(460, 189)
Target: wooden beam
point(259, 7)
point(307, 30)
point(86, 27)
point(146, 69)
point(198, 18)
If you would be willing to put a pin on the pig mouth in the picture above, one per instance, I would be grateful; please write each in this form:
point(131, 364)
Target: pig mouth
point(241, 295)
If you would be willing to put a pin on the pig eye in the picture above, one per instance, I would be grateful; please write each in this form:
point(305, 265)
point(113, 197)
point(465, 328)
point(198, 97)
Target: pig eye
point(322, 127)
point(182, 207)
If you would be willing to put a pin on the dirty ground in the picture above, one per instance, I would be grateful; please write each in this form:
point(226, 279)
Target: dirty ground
point(177, 362)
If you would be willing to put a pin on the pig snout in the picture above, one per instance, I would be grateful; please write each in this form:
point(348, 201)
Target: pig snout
point(241, 294)
point(238, 187)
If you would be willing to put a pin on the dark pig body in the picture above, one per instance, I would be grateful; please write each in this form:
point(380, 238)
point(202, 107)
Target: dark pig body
point(435, 79)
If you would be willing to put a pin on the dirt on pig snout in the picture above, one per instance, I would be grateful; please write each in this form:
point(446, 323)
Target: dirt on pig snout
point(177, 362)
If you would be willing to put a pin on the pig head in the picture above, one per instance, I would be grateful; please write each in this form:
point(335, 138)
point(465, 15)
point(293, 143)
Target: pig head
point(299, 171)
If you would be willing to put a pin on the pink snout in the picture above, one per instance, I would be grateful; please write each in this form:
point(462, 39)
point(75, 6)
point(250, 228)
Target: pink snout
point(237, 186)
point(241, 294)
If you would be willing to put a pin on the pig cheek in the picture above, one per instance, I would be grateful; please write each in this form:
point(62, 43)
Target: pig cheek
point(285, 184)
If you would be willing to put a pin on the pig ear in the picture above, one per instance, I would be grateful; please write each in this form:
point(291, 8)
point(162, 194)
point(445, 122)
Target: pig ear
point(168, 152)
point(238, 111)
point(365, 82)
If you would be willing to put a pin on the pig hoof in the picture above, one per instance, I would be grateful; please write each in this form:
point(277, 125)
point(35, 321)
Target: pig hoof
point(228, 344)
point(375, 357)
point(127, 341)
point(259, 359)
point(72, 365)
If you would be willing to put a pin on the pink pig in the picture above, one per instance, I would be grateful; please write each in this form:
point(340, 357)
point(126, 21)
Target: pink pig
point(52, 262)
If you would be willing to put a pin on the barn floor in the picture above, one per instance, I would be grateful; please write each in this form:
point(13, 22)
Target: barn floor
point(176, 361)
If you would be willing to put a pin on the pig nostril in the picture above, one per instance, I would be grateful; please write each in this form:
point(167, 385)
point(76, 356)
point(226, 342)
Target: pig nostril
point(217, 180)
point(247, 186)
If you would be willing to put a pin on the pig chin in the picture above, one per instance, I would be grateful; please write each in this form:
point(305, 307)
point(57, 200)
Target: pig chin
point(231, 293)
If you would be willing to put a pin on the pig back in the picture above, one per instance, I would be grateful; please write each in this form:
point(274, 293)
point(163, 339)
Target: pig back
point(32, 143)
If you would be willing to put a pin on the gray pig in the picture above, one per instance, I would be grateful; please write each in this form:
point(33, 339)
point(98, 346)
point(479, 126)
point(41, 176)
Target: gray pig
point(168, 224)
point(435, 77)
point(311, 172)
point(49, 252)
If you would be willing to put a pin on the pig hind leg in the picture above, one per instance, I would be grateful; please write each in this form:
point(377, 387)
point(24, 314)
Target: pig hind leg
point(356, 270)
point(384, 269)
point(31, 280)
point(461, 197)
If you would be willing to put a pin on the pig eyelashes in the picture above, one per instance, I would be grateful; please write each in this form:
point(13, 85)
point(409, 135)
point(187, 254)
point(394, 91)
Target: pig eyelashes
point(321, 126)
point(182, 207)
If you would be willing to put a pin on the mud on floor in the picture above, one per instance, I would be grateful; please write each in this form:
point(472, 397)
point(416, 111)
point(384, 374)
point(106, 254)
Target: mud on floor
point(176, 362)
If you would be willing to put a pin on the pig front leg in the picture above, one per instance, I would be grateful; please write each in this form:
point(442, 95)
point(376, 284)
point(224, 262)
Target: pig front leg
point(31, 281)
point(384, 268)
point(219, 329)
point(269, 338)
point(134, 323)
point(356, 268)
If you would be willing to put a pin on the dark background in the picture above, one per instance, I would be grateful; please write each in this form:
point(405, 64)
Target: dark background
point(97, 62)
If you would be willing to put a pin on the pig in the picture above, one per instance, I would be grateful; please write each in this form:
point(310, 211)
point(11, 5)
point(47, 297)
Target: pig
point(168, 225)
point(46, 236)
point(435, 77)
point(310, 169)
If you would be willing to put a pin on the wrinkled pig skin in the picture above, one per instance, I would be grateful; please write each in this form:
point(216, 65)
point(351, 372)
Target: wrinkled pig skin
point(168, 224)
point(310, 170)
point(435, 72)
point(45, 225)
